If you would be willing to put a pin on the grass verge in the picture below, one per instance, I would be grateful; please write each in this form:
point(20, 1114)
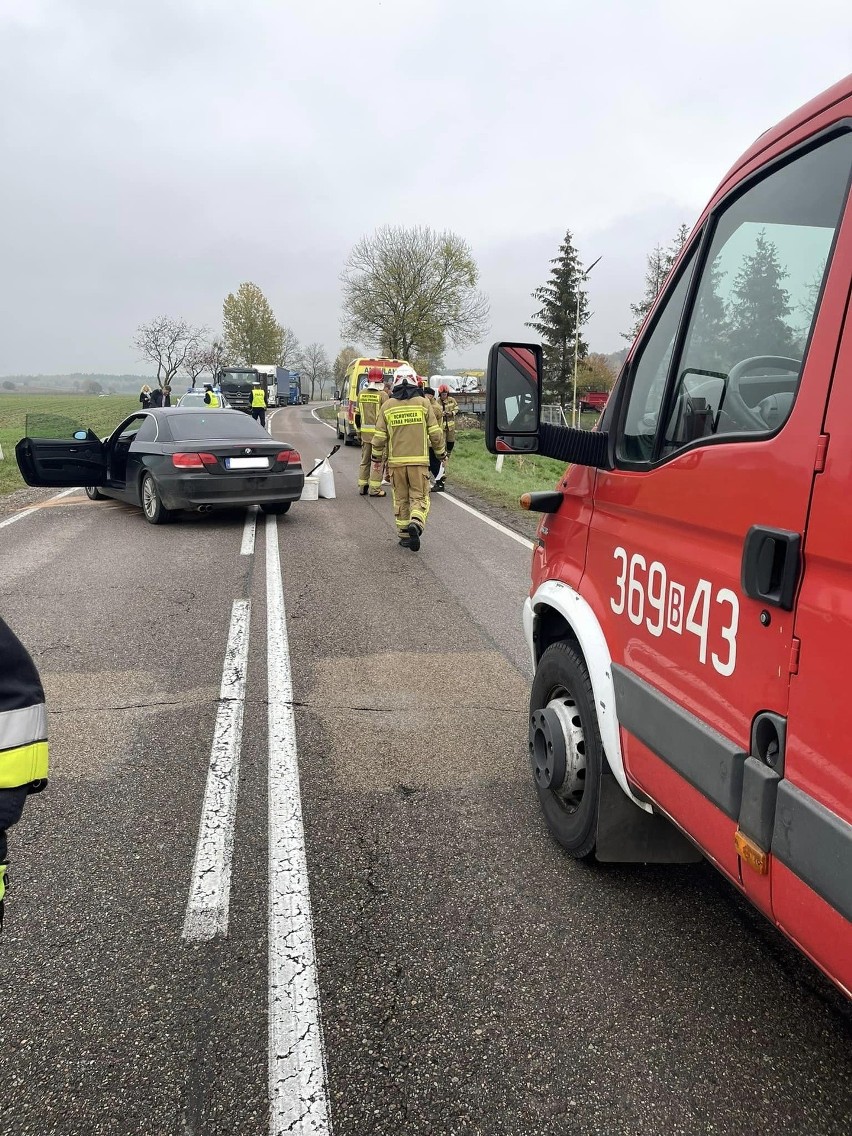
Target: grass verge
point(473, 467)
point(327, 413)
point(100, 414)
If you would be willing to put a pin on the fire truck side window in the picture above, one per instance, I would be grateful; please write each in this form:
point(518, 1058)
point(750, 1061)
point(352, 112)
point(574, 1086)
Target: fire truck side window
point(757, 300)
point(648, 381)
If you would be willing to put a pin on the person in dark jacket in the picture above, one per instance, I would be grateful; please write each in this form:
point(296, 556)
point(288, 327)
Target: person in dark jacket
point(167, 396)
point(145, 397)
point(156, 397)
point(23, 738)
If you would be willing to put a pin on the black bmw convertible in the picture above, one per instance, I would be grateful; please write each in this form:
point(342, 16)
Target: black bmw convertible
point(169, 459)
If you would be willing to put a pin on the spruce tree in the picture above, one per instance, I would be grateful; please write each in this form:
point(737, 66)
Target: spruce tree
point(556, 321)
point(760, 305)
point(660, 261)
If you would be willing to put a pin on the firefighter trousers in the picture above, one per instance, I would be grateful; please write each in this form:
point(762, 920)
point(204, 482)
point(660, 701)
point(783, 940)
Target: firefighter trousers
point(410, 488)
point(369, 472)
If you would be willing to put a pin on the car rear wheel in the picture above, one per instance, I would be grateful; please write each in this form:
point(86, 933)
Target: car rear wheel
point(152, 505)
point(276, 507)
point(566, 751)
point(93, 493)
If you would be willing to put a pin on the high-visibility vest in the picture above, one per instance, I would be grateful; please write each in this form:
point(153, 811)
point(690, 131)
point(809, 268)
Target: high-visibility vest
point(211, 398)
point(258, 398)
point(368, 408)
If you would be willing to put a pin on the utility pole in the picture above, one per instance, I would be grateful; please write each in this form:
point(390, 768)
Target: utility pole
point(583, 277)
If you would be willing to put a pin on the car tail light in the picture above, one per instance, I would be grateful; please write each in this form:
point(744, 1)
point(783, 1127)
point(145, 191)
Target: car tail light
point(290, 456)
point(193, 461)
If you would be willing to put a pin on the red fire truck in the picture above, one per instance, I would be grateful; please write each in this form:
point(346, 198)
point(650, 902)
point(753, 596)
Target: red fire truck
point(690, 615)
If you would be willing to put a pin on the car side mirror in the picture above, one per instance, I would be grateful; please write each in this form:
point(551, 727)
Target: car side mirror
point(513, 398)
point(81, 435)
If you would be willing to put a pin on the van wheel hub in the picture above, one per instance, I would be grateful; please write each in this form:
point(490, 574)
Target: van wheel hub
point(557, 748)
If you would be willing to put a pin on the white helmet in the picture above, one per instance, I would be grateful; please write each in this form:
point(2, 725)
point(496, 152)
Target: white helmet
point(404, 376)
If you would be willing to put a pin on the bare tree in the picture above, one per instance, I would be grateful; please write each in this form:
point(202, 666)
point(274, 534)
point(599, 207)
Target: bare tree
point(167, 342)
point(409, 291)
point(315, 367)
point(291, 350)
point(205, 358)
point(345, 356)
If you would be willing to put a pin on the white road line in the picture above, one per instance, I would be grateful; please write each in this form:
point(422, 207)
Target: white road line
point(247, 547)
point(35, 508)
point(494, 524)
point(297, 1082)
point(320, 420)
point(210, 891)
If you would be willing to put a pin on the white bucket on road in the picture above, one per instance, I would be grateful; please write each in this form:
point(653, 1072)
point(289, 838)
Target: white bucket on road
point(311, 490)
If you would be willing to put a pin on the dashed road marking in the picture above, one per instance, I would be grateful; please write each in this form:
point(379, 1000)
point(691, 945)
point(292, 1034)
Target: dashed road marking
point(247, 546)
point(35, 508)
point(297, 1079)
point(210, 891)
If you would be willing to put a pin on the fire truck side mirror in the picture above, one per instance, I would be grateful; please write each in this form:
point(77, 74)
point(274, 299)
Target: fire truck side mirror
point(513, 398)
point(337, 396)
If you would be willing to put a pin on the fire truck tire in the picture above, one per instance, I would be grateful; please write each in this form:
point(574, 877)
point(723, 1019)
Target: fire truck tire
point(562, 717)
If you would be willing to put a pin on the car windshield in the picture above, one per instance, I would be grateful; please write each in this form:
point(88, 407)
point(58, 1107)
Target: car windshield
point(224, 424)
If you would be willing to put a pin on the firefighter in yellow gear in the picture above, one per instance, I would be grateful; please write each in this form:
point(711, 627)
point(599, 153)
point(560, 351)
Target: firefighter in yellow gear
point(23, 738)
point(370, 400)
point(405, 428)
point(258, 403)
point(449, 410)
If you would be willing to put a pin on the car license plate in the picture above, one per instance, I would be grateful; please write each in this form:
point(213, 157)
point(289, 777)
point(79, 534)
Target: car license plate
point(246, 463)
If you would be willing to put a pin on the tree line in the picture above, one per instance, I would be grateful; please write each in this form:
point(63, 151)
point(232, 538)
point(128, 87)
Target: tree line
point(250, 334)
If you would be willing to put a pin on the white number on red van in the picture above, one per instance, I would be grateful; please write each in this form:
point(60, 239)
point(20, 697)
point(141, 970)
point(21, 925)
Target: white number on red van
point(646, 594)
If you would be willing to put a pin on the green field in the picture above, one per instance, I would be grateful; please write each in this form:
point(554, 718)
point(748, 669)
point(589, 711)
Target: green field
point(100, 414)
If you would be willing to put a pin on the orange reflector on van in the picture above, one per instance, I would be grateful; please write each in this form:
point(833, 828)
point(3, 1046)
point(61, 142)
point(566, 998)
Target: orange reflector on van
point(750, 854)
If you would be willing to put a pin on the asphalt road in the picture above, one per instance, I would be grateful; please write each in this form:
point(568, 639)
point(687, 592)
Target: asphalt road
point(472, 980)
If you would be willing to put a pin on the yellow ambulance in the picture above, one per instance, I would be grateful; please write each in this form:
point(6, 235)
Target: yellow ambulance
point(357, 375)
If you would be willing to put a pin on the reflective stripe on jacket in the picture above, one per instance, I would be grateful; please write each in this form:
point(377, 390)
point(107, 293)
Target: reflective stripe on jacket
point(369, 402)
point(258, 398)
point(23, 746)
point(406, 428)
point(23, 717)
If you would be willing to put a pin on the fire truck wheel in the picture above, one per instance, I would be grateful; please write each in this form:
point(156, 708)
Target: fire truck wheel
point(566, 752)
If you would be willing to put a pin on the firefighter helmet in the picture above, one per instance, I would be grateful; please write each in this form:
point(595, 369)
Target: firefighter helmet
point(404, 376)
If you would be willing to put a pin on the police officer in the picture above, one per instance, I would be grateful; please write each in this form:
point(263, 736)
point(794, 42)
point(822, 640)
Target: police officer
point(370, 399)
point(210, 396)
point(23, 738)
point(405, 428)
point(449, 409)
point(258, 403)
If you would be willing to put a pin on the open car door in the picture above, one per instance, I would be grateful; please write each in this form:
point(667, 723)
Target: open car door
point(69, 456)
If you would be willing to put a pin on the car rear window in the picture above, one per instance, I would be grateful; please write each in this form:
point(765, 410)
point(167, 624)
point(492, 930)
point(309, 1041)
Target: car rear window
point(216, 424)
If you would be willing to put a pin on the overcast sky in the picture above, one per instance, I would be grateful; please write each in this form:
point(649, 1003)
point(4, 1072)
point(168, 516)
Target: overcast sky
point(156, 153)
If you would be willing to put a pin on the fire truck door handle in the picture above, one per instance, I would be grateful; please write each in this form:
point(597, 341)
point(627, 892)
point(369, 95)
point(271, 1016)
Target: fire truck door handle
point(771, 566)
